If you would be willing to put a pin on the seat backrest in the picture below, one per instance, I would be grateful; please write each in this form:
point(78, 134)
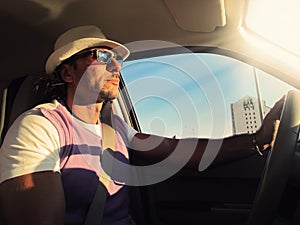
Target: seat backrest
point(20, 97)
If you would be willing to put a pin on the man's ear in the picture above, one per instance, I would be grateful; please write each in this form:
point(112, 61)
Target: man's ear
point(65, 73)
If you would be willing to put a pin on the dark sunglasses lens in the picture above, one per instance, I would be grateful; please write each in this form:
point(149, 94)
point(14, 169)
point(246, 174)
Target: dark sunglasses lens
point(104, 56)
point(120, 60)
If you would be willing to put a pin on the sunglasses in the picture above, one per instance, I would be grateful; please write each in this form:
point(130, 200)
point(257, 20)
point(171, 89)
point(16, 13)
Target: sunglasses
point(101, 55)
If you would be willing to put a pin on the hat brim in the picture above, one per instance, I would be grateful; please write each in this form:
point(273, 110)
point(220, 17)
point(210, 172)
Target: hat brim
point(63, 53)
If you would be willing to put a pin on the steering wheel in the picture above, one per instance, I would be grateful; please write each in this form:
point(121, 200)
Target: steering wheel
point(278, 164)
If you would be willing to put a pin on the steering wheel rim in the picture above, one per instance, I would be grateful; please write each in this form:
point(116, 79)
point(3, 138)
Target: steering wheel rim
point(278, 164)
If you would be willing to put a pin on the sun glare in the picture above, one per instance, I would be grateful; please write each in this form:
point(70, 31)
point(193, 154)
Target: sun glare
point(277, 21)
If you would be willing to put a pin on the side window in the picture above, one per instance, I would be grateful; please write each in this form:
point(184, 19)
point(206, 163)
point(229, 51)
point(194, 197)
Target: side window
point(199, 95)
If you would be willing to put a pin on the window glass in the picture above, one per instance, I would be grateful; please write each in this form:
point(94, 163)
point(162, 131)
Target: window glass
point(272, 88)
point(199, 95)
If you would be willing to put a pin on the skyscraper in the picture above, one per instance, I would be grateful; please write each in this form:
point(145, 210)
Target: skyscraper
point(246, 116)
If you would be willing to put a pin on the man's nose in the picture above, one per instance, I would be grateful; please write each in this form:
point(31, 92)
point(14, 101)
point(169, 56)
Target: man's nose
point(113, 66)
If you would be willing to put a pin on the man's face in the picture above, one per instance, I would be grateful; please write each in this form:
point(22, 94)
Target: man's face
point(95, 81)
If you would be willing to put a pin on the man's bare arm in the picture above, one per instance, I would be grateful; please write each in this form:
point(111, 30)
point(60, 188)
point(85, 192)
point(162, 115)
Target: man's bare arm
point(151, 149)
point(35, 199)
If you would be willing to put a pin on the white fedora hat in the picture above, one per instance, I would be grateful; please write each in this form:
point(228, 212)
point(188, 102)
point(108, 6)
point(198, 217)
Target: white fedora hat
point(77, 39)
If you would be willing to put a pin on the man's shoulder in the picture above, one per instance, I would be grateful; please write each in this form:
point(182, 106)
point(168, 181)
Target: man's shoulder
point(34, 115)
point(49, 105)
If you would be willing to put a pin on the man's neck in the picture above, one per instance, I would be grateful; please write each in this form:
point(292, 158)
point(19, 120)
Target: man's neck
point(88, 113)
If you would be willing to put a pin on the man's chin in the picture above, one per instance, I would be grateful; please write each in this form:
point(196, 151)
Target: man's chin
point(106, 97)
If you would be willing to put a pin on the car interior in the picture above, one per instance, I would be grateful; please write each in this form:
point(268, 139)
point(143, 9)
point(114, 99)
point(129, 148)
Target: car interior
point(195, 65)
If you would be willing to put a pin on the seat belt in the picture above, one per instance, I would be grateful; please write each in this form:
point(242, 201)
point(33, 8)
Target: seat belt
point(96, 209)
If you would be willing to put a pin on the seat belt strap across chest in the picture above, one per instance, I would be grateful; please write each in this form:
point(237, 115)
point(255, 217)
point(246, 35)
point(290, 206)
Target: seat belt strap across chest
point(96, 209)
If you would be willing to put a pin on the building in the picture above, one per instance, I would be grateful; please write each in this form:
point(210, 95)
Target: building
point(246, 115)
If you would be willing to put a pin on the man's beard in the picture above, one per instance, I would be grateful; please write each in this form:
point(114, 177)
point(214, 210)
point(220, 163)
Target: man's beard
point(106, 96)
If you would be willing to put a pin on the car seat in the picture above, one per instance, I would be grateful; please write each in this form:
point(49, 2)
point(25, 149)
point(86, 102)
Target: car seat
point(20, 96)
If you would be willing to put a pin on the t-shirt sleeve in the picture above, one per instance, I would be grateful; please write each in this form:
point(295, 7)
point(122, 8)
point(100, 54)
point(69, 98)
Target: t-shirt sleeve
point(30, 145)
